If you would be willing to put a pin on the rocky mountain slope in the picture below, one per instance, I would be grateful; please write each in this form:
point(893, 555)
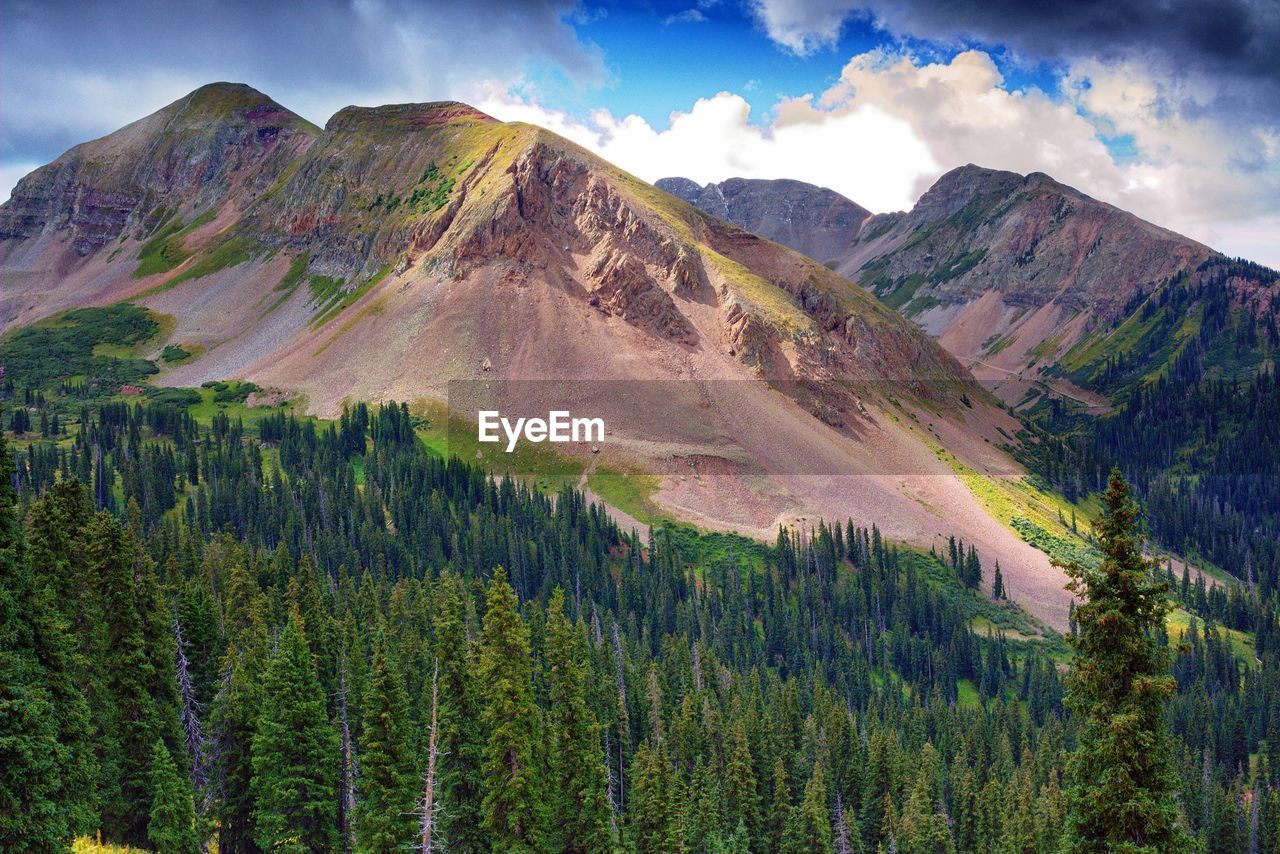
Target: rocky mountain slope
point(1021, 277)
point(819, 222)
point(403, 247)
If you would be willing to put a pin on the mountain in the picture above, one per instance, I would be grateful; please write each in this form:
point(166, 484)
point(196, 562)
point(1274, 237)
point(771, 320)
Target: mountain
point(816, 221)
point(429, 253)
point(1030, 282)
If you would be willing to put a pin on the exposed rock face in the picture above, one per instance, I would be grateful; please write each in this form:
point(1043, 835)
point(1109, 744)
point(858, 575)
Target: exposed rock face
point(819, 222)
point(1029, 238)
point(1009, 271)
point(221, 140)
point(440, 192)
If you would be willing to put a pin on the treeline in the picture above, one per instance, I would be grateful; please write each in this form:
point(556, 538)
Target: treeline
point(322, 637)
point(1199, 437)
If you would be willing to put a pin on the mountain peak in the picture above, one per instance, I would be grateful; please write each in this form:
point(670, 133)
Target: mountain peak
point(813, 220)
point(407, 116)
point(224, 102)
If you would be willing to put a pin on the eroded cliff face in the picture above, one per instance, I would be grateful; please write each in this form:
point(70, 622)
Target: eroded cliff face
point(1028, 238)
point(222, 141)
point(1010, 272)
point(412, 195)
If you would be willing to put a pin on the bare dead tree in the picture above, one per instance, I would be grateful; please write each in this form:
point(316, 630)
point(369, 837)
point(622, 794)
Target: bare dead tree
point(610, 783)
point(347, 777)
point(842, 828)
point(624, 725)
point(429, 805)
point(191, 730)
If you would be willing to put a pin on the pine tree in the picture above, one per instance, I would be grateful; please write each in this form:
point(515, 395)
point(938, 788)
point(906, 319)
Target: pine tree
point(461, 739)
point(780, 809)
point(173, 820)
point(130, 679)
point(385, 820)
point(31, 756)
point(234, 717)
point(1123, 780)
point(577, 762)
point(294, 753)
point(924, 828)
point(512, 794)
point(654, 805)
point(997, 584)
point(809, 828)
point(53, 605)
point(742, 801)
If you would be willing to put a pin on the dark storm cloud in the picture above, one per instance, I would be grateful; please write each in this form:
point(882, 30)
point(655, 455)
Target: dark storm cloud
point(69, 71)
point(1228, 46)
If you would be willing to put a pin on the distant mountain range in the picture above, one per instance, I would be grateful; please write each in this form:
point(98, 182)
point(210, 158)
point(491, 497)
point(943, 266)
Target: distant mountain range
point(1022, 278)
point(820, 223)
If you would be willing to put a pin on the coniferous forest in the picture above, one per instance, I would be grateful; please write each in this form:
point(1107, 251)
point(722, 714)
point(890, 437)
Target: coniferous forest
point(320, 636)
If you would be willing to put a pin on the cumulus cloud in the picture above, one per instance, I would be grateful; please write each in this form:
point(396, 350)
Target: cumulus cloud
point(865, 152)
point(1226, 46)
point(892, 124)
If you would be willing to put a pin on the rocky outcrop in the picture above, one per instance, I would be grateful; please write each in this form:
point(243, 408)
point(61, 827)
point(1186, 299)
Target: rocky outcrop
point(819, 222)
point(221, 139)
point(1009, 271)
point(1030, 238)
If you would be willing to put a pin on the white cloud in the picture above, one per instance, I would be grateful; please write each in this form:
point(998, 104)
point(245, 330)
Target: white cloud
point(688, 16)
point(892, 124)
point(804, 26)
point(10, 174)
point(864, 153)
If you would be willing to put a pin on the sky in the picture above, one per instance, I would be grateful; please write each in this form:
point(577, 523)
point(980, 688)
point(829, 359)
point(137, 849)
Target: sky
point(1170, 110)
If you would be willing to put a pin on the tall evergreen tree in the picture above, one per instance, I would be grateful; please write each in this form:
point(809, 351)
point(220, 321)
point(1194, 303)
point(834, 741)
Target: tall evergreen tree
point(388, 784)
point(31, 813)
point(131, 679)
point(512, 799)
point(576, 757)
point(461, 739)
point(809, 828)
point(741, 798)
point(173, 820)
point(654, 810)
point(295, 753)
point(234, 716)
point(1123, 782)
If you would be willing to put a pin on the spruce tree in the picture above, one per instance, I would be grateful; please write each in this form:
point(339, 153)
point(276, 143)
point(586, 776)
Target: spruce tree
point(31, 815)
point(742, 802)
point(461, 740)
point(1123, 780)
point(653, 809)
point(234, 717)
point(295, 753)
point(512, 796)
point(130, 679)
point(388, 783)
point(809, 828)
point(780, 808)
point(173, 820)
point(577, 761)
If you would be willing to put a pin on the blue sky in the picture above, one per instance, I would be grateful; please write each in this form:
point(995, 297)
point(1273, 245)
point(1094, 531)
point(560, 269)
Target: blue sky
point(1170, 110)
point(660, 57)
